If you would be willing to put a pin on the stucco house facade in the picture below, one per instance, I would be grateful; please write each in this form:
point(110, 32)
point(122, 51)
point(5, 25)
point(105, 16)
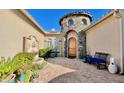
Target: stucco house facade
point(108, 36)
point(15, 26)
point(77, 37)
point(105, 35)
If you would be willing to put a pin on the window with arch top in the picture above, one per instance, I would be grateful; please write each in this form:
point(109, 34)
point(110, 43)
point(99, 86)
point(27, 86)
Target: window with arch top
point(70, 22)
point(84, 21)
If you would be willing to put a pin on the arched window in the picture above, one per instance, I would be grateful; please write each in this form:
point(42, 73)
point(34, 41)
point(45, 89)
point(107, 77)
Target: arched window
point(84, 21)
point(70, 22)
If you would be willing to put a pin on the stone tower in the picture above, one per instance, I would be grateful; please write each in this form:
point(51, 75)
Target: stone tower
point(74, 39)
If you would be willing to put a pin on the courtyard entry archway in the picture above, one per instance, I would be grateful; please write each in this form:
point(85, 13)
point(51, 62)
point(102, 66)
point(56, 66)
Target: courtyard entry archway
point(72, 47)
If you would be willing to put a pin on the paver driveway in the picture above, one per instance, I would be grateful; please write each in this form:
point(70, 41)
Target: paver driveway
point(85, 73)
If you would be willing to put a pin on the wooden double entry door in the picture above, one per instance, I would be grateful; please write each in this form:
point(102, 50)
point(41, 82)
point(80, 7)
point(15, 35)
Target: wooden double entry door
point(72, 47)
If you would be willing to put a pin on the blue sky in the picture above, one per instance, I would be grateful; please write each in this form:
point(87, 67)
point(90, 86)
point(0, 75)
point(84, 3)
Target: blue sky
point(49, 18)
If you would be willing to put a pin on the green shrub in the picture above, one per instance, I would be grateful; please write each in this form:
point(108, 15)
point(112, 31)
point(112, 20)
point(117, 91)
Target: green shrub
point(27, 76)
point(38, 66)
point(4, 67)
point(20, 60)
point(8, 60)
point(2, 61)
point(35, 68)
point(24, 58)
point(34, 75)
point(44, 52)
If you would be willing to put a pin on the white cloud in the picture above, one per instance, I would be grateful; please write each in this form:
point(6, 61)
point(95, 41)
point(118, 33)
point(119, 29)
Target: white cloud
point(53, 29)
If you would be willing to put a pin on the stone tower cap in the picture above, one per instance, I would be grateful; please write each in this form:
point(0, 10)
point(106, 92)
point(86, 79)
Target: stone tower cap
point(86, 14)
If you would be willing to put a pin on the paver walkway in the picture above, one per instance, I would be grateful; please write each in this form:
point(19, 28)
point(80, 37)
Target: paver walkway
point(51, 71)
point(85, 73)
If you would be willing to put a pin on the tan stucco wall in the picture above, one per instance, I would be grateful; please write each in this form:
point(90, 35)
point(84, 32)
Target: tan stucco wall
point(50, 37)
point(13, 27)
point(54, 37)
point(121, 13)
point(105, 37)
